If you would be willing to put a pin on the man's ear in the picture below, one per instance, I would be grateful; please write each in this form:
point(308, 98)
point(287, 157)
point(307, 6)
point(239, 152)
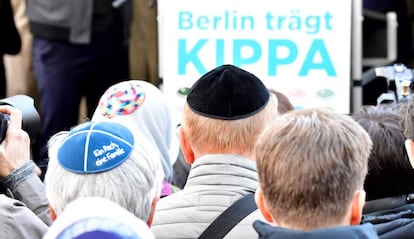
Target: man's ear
point(153, 207)
point(52, 213)
point(261, 204)
point(357, 206)
point(409, 147)
point(186, 146)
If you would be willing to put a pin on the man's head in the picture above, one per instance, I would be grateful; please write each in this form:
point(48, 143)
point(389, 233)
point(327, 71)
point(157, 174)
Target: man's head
point(103, 159)
point(225, 111)
point(96, 217)
point(312, 165)
point(389, 170)
point(409, 130)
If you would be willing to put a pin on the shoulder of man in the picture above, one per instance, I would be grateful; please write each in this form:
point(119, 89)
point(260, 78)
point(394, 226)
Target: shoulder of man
point(18, 221)
point(392, 223)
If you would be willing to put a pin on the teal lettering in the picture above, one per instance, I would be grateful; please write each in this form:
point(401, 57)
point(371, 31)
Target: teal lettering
point(269, 18)
point(317, 47)
point(274, 60)
point(219, 52)
point(295, 21)
point(312, 24)
point(328, 18)
point(202, 23)
point(280, 20)
point(247, 21)
point(239, 44)
point(184, 20)
point(186, 57)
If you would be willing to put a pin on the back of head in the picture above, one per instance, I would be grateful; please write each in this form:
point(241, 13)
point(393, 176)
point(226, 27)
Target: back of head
point(409, 120)
point(226, 110)
point(389, 171)
point(310, 165)
point(144, 109)
point(94, 217)
point(103, 159)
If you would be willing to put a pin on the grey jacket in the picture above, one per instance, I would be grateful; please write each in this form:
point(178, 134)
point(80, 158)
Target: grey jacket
point(214, 183)
point(25, 213)
point(69, 20)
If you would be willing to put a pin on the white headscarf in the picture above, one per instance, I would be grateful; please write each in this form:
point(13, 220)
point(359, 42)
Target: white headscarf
point(143, 108)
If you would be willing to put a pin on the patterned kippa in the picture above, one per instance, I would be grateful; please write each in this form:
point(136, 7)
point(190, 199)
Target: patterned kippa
point(121, 99)
point(228, 93)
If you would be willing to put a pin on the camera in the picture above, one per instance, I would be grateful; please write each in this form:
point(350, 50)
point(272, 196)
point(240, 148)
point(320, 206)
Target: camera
point(399, 82)
point(30, 116)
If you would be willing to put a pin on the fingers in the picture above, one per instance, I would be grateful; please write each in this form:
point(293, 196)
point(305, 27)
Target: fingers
point(14, 133)
point(15, 116)
point(15, 149)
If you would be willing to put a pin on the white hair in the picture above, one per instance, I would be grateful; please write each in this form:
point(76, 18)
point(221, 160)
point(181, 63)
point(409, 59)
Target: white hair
point(133, 185)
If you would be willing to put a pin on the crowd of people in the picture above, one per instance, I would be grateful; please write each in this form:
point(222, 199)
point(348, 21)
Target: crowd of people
point(242, 163)
point(70, 52)
point(258, 168)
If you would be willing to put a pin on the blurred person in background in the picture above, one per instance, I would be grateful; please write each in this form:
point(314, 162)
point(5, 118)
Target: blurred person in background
point(10, 42)
point(80, 48)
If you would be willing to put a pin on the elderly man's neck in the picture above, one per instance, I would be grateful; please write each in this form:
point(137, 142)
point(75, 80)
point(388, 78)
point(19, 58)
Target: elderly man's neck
point(243, 153)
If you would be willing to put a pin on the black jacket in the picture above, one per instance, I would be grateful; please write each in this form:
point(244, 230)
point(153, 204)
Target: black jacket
point(10, 39)
point(266, 231)
point(394, 223)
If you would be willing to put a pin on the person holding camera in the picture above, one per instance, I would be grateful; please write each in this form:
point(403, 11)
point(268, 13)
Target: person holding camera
point(24, 209)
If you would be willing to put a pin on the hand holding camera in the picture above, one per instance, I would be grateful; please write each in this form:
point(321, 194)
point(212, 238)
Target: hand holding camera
point(15, 148)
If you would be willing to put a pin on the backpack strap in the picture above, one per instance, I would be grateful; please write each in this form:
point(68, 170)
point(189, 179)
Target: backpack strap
point(230, 218)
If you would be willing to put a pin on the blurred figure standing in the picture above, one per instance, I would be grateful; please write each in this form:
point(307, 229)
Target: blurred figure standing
point(10, 40)
point(79, 49)
point(19, 68)
point(143, 51)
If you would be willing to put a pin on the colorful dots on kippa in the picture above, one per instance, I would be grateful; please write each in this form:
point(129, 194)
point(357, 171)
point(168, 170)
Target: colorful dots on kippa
point(228, 93)
point(121, 99)
point(94, 147)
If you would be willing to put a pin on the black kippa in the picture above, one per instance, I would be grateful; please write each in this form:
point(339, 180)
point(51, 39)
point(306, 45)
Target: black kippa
point(229, 93)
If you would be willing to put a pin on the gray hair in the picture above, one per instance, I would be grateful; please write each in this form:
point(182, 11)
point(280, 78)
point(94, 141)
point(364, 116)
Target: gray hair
point(133, 185)
point(310, 164)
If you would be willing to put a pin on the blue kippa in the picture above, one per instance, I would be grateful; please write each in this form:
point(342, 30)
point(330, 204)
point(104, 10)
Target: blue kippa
point(96, 217)
point(98, 227)
point(94, 147)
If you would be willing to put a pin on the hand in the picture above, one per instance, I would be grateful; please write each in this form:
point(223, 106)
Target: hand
point(15, 149)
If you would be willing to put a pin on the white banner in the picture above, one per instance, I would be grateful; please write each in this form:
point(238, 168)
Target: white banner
point(299, 47)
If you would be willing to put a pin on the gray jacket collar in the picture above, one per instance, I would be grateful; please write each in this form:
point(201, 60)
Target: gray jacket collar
point(223, 170)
